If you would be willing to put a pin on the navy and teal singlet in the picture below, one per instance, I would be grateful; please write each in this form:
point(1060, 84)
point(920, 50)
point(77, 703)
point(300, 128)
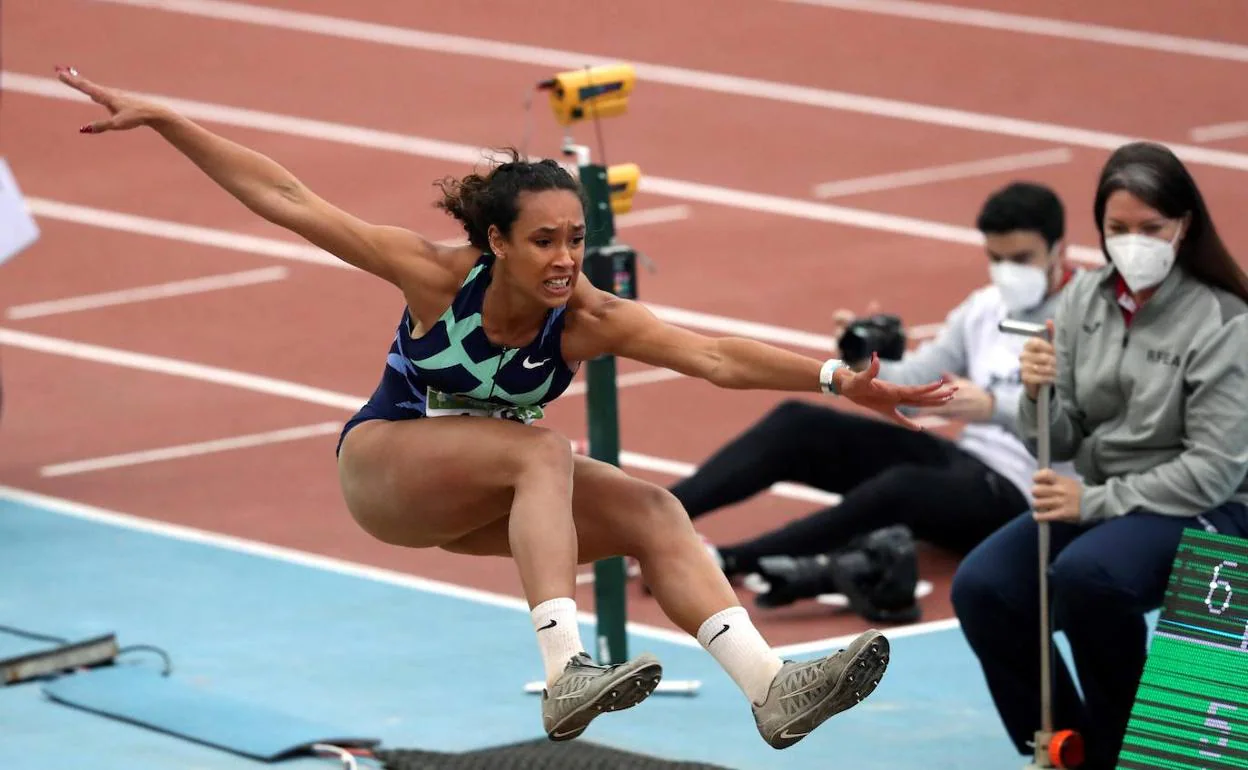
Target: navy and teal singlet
point(454, 367)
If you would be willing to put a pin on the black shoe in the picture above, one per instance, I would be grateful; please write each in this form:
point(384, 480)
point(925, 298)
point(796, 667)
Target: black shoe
point(877, 573)
point(790, 578)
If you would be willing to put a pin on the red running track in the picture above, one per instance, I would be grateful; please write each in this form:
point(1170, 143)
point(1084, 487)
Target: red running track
point(329, 328)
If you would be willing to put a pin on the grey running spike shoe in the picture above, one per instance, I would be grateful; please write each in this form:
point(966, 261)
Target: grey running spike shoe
point(804, 695)
point(585, 689)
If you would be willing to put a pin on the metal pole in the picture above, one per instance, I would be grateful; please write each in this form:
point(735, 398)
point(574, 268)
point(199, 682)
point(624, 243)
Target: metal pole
point(602, 406)
point(1045, 735)
point(1046, 659)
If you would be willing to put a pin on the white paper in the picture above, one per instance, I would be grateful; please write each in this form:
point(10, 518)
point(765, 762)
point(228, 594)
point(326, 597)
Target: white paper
point(17, 227)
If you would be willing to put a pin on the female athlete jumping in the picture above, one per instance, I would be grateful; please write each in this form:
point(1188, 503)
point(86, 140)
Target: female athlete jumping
point(445, 453)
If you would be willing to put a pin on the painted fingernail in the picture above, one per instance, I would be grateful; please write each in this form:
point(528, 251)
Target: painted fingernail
point(86, 129)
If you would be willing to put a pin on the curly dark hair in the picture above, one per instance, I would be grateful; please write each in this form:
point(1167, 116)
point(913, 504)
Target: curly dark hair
point(480, 200)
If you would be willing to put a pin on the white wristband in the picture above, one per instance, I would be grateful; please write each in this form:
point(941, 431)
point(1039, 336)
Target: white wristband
point(826, 372)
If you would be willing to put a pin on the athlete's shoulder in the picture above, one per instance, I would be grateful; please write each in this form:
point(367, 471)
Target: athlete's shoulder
point(588, 300)
point(431, 276)
point(454, 261)
point(594, 319)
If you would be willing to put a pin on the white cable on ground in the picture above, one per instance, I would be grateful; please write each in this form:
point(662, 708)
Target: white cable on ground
point(348, 760)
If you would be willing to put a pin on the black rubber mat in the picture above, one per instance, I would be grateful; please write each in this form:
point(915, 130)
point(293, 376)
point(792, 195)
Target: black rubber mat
point(541, 753)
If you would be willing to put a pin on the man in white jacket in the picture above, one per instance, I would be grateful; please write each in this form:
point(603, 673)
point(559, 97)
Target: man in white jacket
point(950, 493)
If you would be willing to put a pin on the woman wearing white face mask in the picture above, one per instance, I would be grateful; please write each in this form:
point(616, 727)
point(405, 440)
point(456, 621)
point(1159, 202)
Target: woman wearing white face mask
point(1149, 363)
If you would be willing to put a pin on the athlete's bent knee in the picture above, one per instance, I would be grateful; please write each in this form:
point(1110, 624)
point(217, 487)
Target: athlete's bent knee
point(657, 521)
point(544, 453)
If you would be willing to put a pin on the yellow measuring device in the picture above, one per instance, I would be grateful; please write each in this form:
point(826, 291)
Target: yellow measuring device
point(622, 181)
point(594, 92)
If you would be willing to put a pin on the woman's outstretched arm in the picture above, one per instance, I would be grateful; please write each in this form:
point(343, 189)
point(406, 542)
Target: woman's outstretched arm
point(260, 183)
point(607, 325)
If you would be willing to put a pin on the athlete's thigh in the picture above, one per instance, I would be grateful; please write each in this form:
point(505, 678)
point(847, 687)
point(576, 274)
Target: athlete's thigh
point(614, 515)
point(426, 482)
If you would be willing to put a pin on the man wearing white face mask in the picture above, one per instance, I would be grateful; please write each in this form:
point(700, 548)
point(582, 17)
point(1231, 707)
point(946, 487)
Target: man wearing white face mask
point(949, 493)
point(1149, 368)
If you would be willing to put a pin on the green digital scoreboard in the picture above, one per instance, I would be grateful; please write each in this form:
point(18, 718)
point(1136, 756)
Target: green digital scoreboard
point(1191, 708)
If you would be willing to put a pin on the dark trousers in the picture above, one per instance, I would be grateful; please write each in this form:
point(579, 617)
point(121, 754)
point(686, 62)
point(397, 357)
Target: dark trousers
point(1103, 579)
point(885, 473)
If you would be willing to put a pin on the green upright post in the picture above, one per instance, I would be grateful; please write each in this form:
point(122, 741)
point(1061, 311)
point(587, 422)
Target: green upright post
point(601, 266)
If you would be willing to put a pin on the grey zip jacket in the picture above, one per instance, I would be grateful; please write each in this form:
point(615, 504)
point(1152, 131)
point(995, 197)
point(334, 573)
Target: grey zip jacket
point(1154, 416)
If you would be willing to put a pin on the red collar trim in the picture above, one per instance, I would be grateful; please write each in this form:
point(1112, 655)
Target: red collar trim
point(1125, 301)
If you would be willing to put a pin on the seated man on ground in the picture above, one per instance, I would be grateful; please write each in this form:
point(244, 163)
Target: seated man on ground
point(897, 483)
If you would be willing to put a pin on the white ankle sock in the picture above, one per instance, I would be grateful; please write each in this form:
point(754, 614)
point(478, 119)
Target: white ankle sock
point(558, 635)
point(731, 638)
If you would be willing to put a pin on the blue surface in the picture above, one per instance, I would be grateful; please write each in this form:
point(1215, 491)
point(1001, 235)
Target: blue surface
point(146, 697)
point(417, 669)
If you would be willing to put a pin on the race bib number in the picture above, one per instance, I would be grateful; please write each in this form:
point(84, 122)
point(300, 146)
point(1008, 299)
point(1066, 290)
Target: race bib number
point(439, 404)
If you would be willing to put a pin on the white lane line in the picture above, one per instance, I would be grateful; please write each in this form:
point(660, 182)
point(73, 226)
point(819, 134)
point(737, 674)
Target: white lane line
point(148, 293)
point(673, 76)
point(460, 153)
point(1220, 131)
point(98, 515)
point(659, 215)
point(180, 451)
point(946, 173)
point(177, 368)
point(1035, 25)
point(682, 469)
point(63, 507)
point(251, 244)
point(739, 328)
point(628, 380)
point(224, 239)
point(176, 231)
point(293, 391)
point(839, 642)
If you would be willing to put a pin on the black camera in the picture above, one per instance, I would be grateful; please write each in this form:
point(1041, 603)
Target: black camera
point(879, 333)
